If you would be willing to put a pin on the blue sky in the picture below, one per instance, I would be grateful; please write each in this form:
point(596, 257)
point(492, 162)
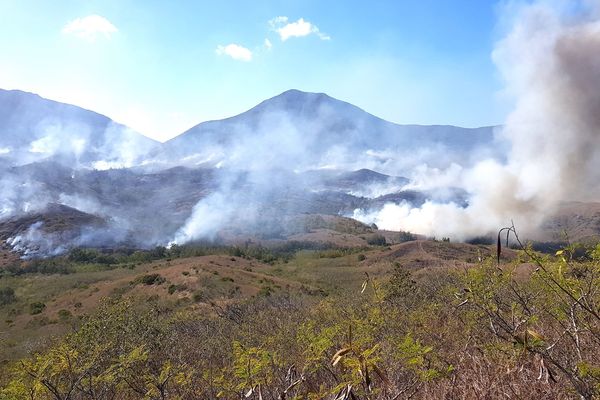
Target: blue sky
point(163, 66)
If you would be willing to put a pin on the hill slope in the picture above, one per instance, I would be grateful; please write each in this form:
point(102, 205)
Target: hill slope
point(33, 128)
point(314, 129)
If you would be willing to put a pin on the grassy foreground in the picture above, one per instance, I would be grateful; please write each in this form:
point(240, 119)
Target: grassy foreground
point(368, 323)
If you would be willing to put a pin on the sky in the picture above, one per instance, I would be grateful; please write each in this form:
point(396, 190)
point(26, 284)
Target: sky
point(161, 67)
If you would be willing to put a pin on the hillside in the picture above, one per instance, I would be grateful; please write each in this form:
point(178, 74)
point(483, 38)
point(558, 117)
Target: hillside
point(574, 222)
point(223, 276)
point(33, 128)
point(317, 124)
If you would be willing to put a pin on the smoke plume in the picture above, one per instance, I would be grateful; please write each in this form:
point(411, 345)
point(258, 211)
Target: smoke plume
point(550, 61)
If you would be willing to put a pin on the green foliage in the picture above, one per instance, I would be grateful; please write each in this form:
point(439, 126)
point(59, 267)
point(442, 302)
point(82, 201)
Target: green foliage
point(7, 296)
point(265, 291)
point(42, 266)
point(149, 279)
point(199, 296)
point(481, 332)
point(176, 288)
point(83, 255)
point(252, 366)
point(401, 290)
point(36, 307)
point(64, 315)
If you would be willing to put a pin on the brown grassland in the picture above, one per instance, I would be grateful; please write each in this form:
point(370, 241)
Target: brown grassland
point(422, 319)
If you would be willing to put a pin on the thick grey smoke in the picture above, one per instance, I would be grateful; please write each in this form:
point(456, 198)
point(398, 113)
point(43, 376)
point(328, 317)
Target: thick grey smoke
point(550, 60)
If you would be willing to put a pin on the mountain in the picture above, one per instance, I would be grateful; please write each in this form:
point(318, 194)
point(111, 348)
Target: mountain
point(575, 222)
point(33, 128)
point(294, 155)
point(314, 129)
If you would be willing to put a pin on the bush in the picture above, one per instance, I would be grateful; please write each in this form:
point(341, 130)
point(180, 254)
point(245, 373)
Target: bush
point(46, 266)
point(64, 315)
point(265, 291)
point(7, 296)
point(176, 288)
point(83, 255)
point(404, 236)
point(484, 240)
point(376, 240)
point(92, 256)
point(199, 296)
point(149, 279)
point(36, 308)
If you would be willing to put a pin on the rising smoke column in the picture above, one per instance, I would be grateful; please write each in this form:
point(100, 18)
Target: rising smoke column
point(550, 60)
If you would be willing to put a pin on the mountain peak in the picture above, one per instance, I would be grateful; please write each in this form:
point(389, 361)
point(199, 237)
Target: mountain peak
point(309, 105)
point(294, 98)
point(299, 94)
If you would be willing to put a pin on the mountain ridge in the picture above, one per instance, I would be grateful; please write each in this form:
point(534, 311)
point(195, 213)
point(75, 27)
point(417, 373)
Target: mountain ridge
point(291, 94)
point(262, 104)
point(310, 130)
point(33, 128)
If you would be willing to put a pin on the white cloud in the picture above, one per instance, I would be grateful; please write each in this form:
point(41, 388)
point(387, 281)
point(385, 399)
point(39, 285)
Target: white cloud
point(300, 28)
point(90, 27)
point(235, 51)
point(268, 44)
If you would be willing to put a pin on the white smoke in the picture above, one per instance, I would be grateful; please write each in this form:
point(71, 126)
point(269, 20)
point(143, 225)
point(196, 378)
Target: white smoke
point(550, 60)
point(34, 242)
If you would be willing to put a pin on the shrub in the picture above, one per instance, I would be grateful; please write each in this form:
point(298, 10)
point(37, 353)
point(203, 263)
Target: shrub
point(149, 279)
point(64, 315)
point(265, 291)
point(404, 236)
point(199, 296)
point(176, 288)
point(83, 255)
point(36, 307)
point(376, 240)
point(7, 296)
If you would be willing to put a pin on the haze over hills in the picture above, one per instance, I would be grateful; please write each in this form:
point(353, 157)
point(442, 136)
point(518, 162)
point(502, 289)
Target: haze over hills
point(249, 175)
point(312, 130)
point(33, 129)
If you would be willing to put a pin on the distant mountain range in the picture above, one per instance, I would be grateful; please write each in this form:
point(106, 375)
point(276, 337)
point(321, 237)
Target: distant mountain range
point(72, 177)
point(314, 129)
point(304, 129)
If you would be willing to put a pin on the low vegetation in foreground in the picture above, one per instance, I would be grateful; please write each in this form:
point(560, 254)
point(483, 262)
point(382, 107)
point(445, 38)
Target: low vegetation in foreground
point(526, 328)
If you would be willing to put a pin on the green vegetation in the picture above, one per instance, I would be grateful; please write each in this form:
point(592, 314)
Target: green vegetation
point(64, 315)
point(149, 279)
point(528, 328)
point(36, 308)
point(7, 296)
